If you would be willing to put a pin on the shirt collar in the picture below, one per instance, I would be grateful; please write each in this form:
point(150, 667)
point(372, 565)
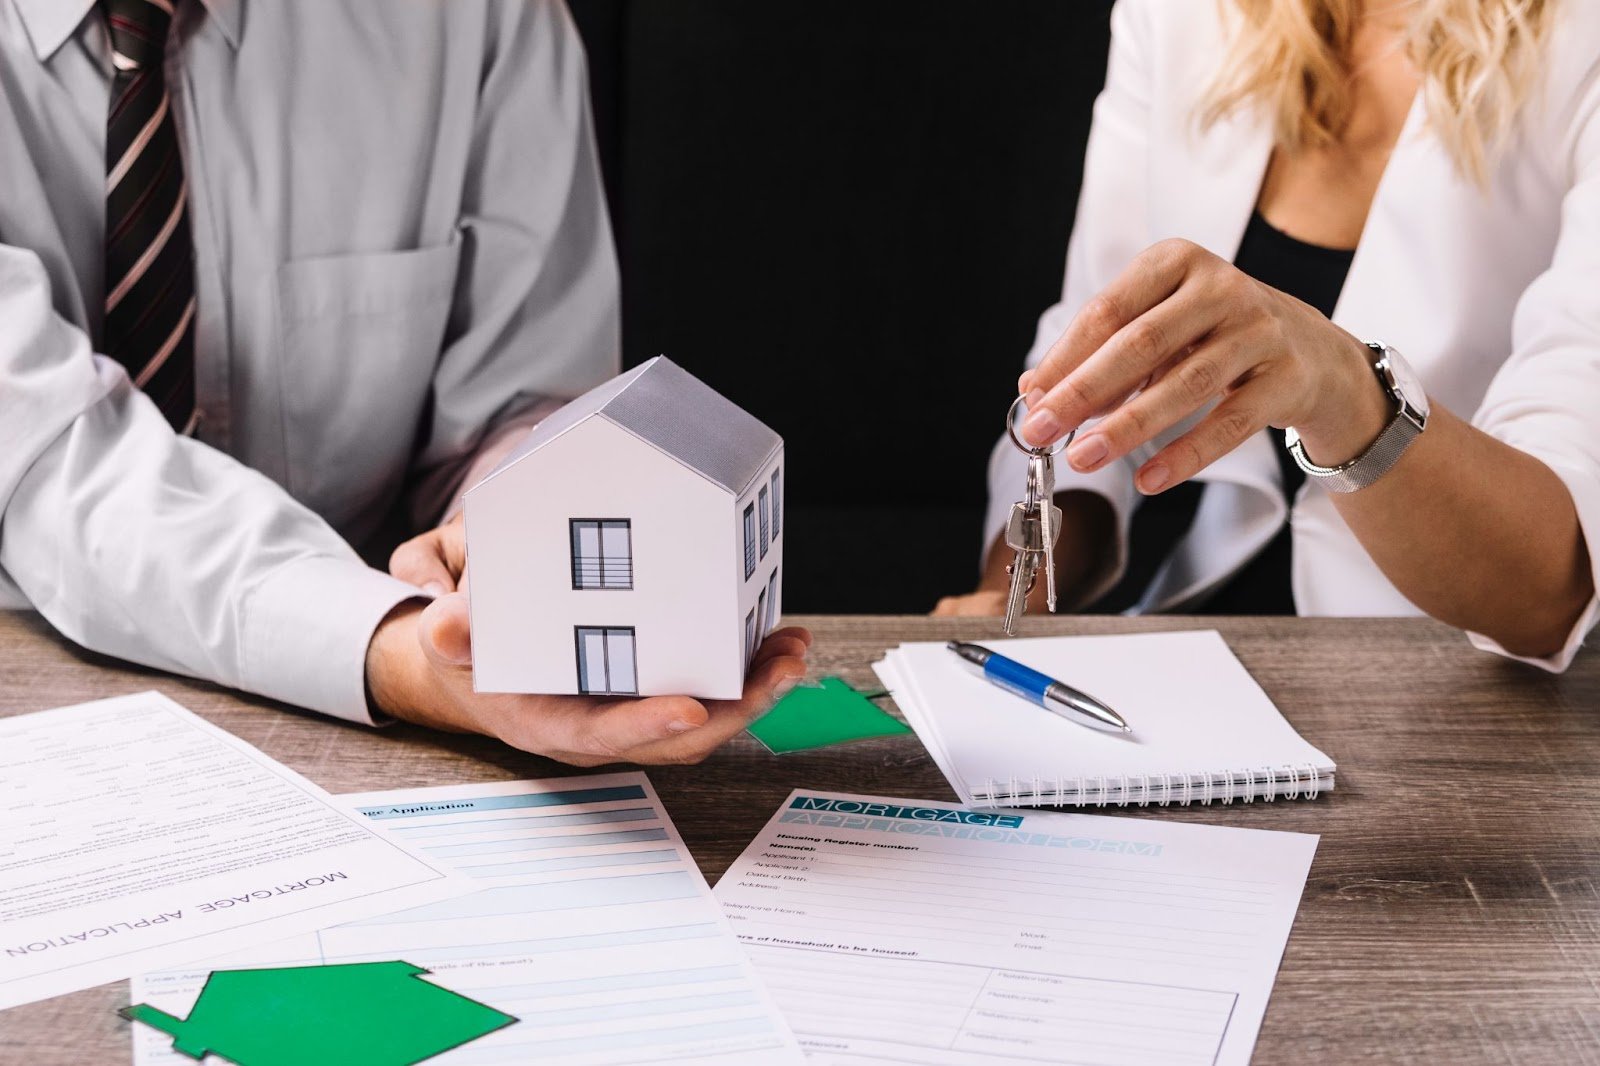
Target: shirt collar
point(51, 22)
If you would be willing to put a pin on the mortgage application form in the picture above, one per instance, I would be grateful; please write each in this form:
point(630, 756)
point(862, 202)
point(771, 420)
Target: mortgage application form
point(134, 834)
point(902, 930)
point(592, 927)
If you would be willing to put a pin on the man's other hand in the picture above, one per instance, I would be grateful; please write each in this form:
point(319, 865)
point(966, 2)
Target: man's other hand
point(982, 603)
point(419, 669)
point(1085, 556)
point(435, 561)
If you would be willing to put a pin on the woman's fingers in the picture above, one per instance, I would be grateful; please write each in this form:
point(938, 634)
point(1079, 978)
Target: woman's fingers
point(1127, 361)
point(1236, 419)
point(1155, 274)
point(1176, 393)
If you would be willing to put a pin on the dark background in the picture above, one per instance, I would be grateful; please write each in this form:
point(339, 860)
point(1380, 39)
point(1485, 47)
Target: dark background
point(847, 217)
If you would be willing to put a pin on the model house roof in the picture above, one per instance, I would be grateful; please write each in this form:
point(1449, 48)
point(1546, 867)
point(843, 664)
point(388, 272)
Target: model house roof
point(669, 408)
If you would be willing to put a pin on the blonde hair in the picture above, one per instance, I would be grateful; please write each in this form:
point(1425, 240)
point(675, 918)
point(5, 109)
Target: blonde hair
point(1477, 60)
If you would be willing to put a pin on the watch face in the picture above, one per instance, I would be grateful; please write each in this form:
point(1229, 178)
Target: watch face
point(1406, 382)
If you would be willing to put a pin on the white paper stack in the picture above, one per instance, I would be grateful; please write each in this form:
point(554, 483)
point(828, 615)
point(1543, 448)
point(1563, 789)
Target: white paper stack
point(1203, 730)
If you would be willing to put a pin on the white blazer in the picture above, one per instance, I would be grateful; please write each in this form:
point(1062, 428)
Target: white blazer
point(1492, 294)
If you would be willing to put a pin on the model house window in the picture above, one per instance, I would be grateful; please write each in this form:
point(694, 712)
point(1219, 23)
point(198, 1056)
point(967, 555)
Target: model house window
point(761, 615)
point(772, 600)
point(749, 541)
point(606, 661)
point(749, 636)
point(777, 500)
point(602, 553)
point(763, 497)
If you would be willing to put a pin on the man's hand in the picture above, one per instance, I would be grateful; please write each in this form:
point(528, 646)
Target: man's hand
point(419, 668)
point(435, 561)
point(981, 602)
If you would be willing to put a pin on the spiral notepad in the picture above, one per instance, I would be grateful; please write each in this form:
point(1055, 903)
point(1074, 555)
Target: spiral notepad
point(1203, 729)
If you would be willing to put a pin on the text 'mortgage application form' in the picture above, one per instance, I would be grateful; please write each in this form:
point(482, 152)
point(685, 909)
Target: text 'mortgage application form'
point(919, 931)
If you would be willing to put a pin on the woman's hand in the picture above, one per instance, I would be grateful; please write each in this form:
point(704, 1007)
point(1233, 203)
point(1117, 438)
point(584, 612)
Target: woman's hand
point(1179, 330)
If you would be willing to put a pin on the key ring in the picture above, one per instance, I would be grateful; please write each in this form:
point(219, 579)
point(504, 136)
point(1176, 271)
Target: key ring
point(1011, 430)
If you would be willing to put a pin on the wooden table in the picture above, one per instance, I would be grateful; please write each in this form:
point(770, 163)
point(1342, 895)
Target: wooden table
point(1453, 911)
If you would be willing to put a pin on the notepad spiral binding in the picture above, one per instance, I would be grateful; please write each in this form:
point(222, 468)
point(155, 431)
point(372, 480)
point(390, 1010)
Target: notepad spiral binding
point(1302, 781)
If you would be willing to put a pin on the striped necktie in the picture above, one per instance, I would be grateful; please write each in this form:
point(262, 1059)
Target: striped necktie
point(150, 299)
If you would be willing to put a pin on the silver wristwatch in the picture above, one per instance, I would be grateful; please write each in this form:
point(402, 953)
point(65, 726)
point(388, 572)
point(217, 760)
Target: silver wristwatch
point(1410, 418)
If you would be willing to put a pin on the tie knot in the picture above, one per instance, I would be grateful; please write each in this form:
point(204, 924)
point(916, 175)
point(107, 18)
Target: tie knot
point(138, 31)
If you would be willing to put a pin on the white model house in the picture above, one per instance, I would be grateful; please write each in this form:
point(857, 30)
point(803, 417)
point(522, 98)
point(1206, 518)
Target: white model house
point(632, 544)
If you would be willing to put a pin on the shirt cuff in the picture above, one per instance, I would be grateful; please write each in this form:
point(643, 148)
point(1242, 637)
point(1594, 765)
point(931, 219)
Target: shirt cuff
point(1585, 490)
point(306, 630)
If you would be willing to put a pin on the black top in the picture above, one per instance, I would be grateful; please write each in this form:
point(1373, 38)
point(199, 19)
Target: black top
point(1307, 272)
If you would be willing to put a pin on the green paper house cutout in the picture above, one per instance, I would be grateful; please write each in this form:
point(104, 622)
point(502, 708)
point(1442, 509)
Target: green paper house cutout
point(817, 716)
point(367, 1013)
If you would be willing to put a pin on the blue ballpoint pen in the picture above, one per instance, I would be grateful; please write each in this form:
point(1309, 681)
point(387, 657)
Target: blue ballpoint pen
point(1047, 692)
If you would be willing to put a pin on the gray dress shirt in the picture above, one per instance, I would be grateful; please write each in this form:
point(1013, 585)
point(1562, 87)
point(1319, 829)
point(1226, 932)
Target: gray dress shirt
point(401, 246)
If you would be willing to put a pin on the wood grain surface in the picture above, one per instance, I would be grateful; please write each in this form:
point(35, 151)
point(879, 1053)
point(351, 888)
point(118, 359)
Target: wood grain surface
point(1452, 914)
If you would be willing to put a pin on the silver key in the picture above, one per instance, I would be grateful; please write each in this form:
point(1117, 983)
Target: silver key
point(1033, 527)
point(1024, 537)
point(1042, 478)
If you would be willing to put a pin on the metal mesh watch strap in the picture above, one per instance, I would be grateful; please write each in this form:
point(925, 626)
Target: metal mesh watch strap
point(1411, 415)
point(1367, 467)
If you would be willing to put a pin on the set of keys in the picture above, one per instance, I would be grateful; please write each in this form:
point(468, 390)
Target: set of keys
point(1034, 526)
